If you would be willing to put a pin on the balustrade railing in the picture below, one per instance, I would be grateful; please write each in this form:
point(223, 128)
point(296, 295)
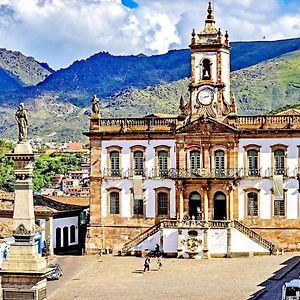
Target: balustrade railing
point(137, 124)
point(173, 173)
point(261, 122)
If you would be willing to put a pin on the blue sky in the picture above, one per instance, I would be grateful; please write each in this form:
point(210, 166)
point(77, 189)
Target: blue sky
point(129, 3)
point(61, 31)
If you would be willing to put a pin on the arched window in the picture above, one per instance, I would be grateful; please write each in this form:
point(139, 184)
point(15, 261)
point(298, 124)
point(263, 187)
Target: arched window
point(72, 234)
point(138, 163)
point(279, 157)
point(195, 160)
point(114, 203)
point(162, 162)
point(253, 163)
point(252, 204)
point(162, 204)
point(195, 208)
point(206, 69)
point(115, 163)
point(58, 237)
point(220, 162)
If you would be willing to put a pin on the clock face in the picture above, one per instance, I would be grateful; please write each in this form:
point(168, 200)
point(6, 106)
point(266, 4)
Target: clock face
point(206, 96)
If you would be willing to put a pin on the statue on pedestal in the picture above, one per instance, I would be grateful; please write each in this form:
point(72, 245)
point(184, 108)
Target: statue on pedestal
point(22, 120)
point(95, 107)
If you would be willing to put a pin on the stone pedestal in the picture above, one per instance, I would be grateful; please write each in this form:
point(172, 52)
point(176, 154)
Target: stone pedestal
point(23, 272)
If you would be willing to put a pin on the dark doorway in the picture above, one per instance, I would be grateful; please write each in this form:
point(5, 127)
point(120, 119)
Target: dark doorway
point(195, 205)
point(58, 238)
point(220, 207)
point(66, 237)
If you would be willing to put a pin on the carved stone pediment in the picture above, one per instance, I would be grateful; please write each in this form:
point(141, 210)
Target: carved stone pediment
point(21, 230)
point(206, 126)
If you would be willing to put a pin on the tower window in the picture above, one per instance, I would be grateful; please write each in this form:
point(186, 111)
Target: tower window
point(206, 69)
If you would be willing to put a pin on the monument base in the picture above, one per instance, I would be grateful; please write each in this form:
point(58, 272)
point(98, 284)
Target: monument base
point(24, 285)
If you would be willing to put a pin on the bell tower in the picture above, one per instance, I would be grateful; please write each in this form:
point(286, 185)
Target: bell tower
point(210, 72)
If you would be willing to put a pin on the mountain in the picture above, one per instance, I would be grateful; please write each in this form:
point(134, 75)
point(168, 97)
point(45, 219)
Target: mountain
point(259, 89)
point(139, 85)
point(269, 85)
point(20, 70)
point(107, 75)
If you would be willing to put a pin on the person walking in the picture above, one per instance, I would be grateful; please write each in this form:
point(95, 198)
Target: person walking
point(147, 264)
point(159, 263)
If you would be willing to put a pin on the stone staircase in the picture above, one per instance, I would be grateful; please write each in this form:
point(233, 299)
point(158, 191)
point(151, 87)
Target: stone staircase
point(199, 224)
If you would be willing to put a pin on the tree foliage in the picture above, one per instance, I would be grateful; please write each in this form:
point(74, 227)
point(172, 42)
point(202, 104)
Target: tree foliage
point(6, 167)
point(46, 166)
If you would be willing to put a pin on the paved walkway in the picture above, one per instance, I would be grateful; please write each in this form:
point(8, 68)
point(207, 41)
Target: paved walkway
point(122, 278)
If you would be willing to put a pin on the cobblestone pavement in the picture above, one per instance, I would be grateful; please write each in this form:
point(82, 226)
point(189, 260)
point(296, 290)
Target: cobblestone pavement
point(111, 277)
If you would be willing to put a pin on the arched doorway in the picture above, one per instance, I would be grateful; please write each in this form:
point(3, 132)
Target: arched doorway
point(66, 236)
point(195, 205)
point(220, 207)
point(58, 237)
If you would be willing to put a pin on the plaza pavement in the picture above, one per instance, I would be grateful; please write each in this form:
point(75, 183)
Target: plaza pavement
point(117, 278)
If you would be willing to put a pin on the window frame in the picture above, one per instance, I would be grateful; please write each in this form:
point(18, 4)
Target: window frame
point(275, 148)
point(134, 149)
point(116, 173)
point(248, 172)
point(108, 208)
point(167, 191)
point(158, 149)
point(284, 216)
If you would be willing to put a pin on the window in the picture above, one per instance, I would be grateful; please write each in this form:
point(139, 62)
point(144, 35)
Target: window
point(279, 158)
point(72, 234)
point(220, 162)
point(253, 163)
point(138, 163)
point(115, 163)
point(252, 204)
point(195, 160)
point(279, 207)
point(114, 203)
point(163, 162)
point(138, 207)
point(162, 203)
point(206, 71)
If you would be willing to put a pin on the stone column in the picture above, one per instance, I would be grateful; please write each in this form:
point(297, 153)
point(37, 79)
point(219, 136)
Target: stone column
point(23, 272)
point(49, 234)
point(181, 199)
point(229, 241)
point(230, 189)
point(205, 189)
point(205, 244)
point(207, 164)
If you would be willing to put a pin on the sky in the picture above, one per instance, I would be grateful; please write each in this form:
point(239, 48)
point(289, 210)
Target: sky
point(59, 32)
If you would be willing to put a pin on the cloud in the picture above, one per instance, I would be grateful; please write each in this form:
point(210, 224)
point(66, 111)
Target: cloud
point(61, 31)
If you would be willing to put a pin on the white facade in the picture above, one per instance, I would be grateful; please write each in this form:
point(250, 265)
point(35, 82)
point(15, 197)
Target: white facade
point(264, 183)
point(69, 223)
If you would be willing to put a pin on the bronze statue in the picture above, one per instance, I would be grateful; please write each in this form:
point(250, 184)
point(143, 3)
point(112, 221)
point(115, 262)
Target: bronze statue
point(22, 120)
point(95, 107)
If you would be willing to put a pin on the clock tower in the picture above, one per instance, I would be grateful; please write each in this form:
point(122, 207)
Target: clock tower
point(210, 72)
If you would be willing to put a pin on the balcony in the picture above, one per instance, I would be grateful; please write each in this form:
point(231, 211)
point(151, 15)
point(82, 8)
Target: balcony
point(173, 173)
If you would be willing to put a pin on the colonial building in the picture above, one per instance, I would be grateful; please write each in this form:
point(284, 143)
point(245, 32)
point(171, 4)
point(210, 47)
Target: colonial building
point(206, 180)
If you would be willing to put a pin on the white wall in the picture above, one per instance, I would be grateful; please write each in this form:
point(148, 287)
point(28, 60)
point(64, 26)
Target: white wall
point(265, 184)
point(242, 243)
point(150, 151)
point(217, 241)
point(65, 222)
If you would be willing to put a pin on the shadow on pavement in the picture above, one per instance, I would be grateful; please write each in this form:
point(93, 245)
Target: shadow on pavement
point(288, 266)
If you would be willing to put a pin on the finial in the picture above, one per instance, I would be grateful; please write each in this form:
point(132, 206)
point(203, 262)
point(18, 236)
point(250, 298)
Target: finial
point(227, 38)
point(219, 39)
point(210, 12)
point(193, 33)
point(193, 37)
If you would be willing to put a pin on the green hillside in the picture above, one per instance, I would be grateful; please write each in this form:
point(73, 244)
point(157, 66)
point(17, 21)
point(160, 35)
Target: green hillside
point(23, 70)
point(268, 85)
point(258, 89)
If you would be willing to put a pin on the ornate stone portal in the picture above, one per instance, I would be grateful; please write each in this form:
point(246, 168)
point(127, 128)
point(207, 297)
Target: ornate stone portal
point(23, 272)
